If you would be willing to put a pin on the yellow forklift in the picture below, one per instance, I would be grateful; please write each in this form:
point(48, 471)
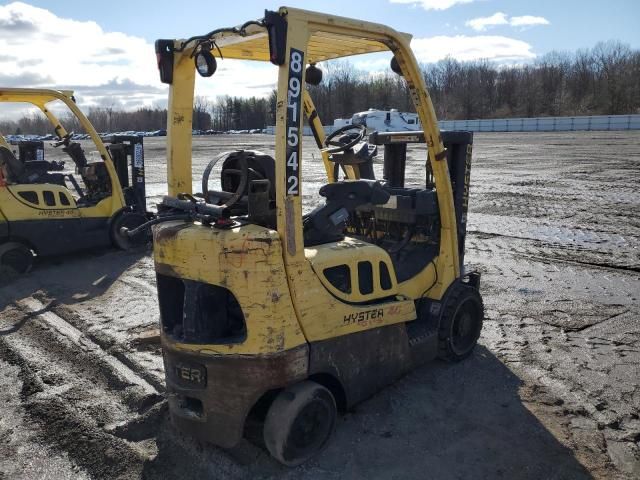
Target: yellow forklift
point(277, 319)
point(46, 209)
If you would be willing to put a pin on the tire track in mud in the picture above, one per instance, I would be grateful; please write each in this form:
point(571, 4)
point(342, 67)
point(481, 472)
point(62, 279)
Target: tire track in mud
point(497, 244)
point(113, 362)
point(87, 404)
point(594, 426)
point(589, 422)
point(76, 392)
point(65, 428)
point(547, 322)
point(552, 232)
point(558, 405)
point(22, 453)
point(560, 265)
point(109, 345)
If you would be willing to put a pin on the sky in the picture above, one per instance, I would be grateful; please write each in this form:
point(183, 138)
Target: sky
point(104, 50)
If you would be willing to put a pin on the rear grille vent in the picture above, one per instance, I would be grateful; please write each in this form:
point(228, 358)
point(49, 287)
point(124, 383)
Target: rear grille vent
point(197, 312)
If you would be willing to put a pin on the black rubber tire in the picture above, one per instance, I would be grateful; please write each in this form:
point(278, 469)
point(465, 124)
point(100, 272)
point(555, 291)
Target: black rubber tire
point(16, 258)
point(299, 423)
point(130, 220)
point(460, 323)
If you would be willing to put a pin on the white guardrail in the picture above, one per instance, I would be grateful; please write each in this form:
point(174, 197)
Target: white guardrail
point(539, 124)
point(545, 124)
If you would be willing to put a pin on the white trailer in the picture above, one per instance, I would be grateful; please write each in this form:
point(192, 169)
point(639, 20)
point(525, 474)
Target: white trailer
point(387, 120)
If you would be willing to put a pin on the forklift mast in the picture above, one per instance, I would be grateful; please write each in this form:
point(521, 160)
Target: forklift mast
point(30, 151)
point(127, 151)
point(458, 145)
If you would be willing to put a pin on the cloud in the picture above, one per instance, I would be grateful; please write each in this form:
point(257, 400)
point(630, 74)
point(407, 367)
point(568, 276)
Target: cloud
point(16, 22)
point(528, 21)
point(481, 24)
point(433, 4)
point(466, 48)
point(499, 49)
point(50, 51)
point(30, 62)
point(239, 78)
point(114, 68)
point(23, 78)
point(118, 87)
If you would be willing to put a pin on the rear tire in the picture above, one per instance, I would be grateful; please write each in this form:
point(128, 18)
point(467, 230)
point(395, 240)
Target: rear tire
point(461, 323)
point(299, 423)
point(16, 258)
point(130, 220)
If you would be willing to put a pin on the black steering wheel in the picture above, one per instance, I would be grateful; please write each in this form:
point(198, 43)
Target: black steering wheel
point(242, 173)
point(336, 146)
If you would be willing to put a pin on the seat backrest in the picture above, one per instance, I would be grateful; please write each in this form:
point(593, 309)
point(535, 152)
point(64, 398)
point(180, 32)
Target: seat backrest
point(352, 194)
point(327, 222)
point(12, 168)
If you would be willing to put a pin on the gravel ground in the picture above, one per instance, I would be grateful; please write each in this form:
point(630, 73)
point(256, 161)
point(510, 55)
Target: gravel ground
point(551, 392)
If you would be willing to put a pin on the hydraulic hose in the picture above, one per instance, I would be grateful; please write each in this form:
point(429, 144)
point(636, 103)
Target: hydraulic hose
point(125, 232)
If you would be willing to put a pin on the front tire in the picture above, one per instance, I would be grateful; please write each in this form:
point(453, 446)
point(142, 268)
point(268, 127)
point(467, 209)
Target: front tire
point(16, 258)
point(299, 423)
point(461, 323)
point(130, 220)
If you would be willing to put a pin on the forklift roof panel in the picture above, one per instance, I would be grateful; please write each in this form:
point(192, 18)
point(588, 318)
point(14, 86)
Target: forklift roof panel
point(36, 96)
point(331, 37)
point(322, 46)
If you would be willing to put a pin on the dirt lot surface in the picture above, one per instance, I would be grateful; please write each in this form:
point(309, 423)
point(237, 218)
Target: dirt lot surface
point(552, 392)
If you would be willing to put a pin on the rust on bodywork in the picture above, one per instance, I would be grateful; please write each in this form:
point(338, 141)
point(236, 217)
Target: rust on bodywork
point(363, 362)
point(168, 233)
point(233, 384)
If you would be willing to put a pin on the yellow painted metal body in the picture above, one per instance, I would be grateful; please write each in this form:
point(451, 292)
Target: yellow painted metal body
point(16, 208)
point(248, 261)
point(285, 298)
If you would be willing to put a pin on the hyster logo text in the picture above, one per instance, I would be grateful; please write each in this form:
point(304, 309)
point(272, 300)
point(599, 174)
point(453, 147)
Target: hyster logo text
point(360, 317)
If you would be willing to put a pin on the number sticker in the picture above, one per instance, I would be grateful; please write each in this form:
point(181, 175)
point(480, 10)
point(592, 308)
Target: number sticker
point(292, 188)
point(295, 64)
point(293, 137)
point(294, 100)
point(292, 161)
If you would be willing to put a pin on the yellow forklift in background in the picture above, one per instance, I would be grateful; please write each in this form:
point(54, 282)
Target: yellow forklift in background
point(274, 318)
point(46, 209)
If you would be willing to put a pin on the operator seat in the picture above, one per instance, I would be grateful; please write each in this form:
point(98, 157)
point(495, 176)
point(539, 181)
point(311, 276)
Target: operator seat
point(13, 169)
point(326, 223)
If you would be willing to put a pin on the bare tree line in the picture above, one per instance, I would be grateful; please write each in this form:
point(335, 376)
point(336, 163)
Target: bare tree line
point(604, 80)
